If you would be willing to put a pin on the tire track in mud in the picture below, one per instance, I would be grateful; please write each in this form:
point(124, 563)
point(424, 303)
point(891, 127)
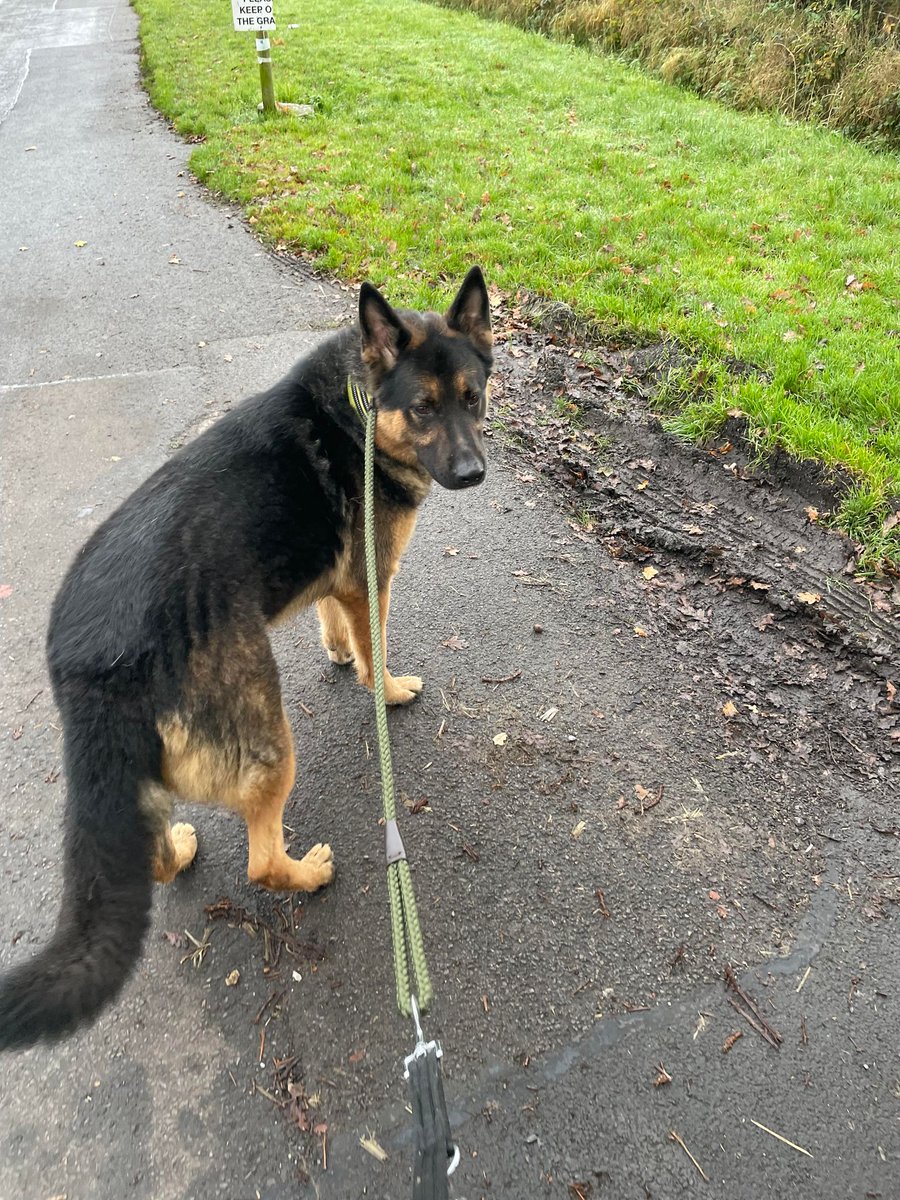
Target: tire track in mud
point(643, 490)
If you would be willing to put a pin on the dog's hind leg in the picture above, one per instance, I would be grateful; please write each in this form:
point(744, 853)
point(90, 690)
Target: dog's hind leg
point(175, 846)
point(264, 795)
point(335, 634)
point(231, 744)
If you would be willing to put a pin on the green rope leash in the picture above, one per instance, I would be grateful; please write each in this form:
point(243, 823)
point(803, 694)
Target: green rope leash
point(406, 933)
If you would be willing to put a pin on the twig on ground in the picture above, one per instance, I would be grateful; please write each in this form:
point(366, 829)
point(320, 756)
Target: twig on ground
point(786, 1141)
point(753, 1017)
point(675, 1138)
point(197, 955)
point(273, 999)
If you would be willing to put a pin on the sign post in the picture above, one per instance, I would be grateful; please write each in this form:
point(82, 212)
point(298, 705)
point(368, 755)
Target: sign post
point(259, 16)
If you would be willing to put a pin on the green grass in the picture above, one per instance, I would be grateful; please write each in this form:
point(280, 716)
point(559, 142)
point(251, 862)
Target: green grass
point(441, 139)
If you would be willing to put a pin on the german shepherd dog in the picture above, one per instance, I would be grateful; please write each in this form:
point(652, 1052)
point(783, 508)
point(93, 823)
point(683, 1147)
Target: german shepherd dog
point(157, 648)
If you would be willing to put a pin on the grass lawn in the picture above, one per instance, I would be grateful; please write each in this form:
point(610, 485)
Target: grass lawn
point(441, 139)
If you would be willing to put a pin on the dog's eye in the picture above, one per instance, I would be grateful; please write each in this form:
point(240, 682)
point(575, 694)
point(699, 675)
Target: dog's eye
point(423, 409)
point(472, 399)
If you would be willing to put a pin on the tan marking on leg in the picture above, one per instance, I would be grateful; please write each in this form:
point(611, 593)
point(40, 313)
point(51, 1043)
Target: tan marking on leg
point(197, 770)
point(397, 689)
point(176, 848)
point(335, 634)
point(392, 536)
point(238, 753)
point(262, 807)
point(172, 850)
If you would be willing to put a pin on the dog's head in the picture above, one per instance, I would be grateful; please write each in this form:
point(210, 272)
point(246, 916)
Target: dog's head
point(428, 374)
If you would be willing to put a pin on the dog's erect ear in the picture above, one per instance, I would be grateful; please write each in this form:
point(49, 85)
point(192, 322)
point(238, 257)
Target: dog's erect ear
point(470, 312)
point(384, 336)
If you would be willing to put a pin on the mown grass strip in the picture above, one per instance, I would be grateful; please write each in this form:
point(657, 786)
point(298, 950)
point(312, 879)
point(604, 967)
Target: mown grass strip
point(441, 139)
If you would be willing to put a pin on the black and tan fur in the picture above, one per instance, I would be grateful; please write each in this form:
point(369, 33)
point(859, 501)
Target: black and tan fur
point(158, 647)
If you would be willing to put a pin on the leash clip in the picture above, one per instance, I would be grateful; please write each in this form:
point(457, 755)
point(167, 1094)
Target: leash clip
point(437, 1156)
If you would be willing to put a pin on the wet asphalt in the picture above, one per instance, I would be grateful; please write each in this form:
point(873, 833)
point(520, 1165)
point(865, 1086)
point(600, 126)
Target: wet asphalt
point(560, 1023)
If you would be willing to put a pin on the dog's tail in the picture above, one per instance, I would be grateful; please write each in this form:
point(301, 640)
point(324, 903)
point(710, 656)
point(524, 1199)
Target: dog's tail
point(108, 884)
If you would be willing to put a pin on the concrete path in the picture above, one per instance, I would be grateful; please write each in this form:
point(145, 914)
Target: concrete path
point(578, 929)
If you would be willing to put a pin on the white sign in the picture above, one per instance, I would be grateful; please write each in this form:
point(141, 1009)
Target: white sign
point(253, 14)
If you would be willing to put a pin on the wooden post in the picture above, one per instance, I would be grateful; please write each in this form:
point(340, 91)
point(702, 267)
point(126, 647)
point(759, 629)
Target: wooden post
point(266, 79)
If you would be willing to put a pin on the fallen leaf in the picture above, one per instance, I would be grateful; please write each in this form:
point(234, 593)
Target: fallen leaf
point(579, 829)
point(357, 1056)
point(500, 739)
point(455, 642)
point(729, 708)
point(451, 551)
point(232, 978)
point(6, 590)
point(227, 357)
point(812, 513)
point(649, 572)
point(808, 597)
point(759, 587)
point(175, 260)
point(640, 631)
point(80, 244)
point(663, 1077)
point(17, 732)
point(714, 895)
point(640, 487)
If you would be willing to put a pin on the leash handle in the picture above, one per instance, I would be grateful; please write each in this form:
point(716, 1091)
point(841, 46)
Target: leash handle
point(436, 1155)
point(434, 1143)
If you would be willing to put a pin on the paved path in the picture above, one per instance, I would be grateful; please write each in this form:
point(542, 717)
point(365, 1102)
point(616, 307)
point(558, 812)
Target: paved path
point(555, 1017)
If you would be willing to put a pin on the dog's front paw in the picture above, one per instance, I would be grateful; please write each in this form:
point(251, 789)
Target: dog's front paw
point(401, 689)
point(319, 865)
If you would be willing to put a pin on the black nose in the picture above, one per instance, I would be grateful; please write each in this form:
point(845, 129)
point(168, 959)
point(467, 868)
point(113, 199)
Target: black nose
point(468, 472)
